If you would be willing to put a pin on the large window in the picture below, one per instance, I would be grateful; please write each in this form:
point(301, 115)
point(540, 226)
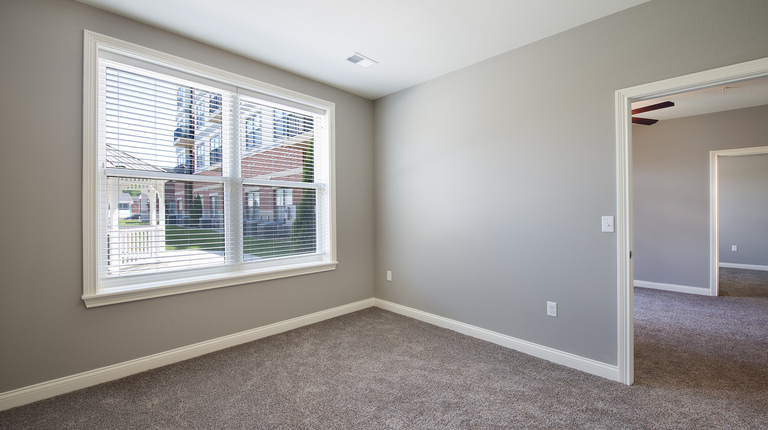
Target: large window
point(231, 178)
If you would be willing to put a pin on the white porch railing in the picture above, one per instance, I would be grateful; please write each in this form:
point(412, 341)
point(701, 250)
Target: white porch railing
point(134, 245)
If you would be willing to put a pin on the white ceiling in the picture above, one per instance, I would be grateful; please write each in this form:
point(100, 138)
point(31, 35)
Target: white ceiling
point(709, 100)
point(413, 40)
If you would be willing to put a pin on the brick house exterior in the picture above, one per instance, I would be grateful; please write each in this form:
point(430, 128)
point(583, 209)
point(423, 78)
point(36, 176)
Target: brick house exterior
point(275, 146)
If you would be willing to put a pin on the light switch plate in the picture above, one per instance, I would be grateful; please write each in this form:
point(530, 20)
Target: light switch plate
point(608, 224)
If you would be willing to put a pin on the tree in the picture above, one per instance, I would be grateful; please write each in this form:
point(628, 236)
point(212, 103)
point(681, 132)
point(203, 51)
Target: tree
point(196, 210)
point(303, 233)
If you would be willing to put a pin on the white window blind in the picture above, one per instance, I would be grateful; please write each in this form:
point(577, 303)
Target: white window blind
point(279, 162)
point(195, 183)
point(159, 139)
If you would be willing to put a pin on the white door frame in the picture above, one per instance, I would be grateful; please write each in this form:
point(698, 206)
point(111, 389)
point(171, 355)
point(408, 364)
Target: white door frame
point(714, 221)
point(624, 227)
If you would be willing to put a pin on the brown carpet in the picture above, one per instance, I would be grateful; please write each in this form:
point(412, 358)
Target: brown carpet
point(700, 363)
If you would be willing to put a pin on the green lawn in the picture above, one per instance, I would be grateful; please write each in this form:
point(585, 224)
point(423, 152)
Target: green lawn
point(177, 237)
point(132, 222)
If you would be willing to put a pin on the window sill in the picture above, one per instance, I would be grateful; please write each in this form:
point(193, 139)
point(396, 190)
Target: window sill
point(121, 295)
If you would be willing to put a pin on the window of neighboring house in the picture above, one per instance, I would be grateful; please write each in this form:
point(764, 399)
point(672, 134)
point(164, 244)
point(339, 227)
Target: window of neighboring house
point(281, 123)
point(214, 206)
point(283, 201)
point(283, 197)
point(215, 104)
point(200, 155)
point(253, 130)
point(216, 150)
point(185, 133)
point(252, 205)
point(180, 158)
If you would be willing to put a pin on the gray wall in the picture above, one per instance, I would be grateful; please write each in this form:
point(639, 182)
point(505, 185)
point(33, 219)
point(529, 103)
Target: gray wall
point(743, 207)
point(491, 180)
point(45, 331)
point(671, 190)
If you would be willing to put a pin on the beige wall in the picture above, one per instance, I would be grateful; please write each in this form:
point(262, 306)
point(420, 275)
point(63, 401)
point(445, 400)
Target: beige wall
point(45, 330)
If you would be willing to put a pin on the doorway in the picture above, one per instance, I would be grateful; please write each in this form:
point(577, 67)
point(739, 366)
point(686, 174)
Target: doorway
point(624, 228)
point(714, 209)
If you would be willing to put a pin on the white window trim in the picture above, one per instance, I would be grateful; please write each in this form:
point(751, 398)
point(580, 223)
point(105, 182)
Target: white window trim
point(94, 46)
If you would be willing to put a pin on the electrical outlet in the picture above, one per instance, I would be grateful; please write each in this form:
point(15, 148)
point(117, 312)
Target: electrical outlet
point(734, 248)
point(552, 309)
point(389, 275)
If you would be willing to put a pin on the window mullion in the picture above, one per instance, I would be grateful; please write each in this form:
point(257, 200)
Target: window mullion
point(234, 235)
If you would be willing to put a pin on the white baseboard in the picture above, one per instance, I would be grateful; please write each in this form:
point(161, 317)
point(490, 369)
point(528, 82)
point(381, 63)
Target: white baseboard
point(744, 266)
point(66, 384)
point(556, 356)
point(673, 287)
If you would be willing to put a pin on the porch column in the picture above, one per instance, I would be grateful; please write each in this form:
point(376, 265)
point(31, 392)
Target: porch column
point(152, 206)
point(113, 236)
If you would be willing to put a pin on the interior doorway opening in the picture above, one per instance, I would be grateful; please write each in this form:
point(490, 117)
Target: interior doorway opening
point(714, 208)
point(625, 270)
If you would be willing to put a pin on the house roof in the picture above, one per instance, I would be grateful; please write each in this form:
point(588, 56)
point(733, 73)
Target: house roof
point(122, 159)
point(125, 198)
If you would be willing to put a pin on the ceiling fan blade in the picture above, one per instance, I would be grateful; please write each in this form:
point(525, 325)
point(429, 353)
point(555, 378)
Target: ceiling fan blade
point(657, 106)
point(644, 121)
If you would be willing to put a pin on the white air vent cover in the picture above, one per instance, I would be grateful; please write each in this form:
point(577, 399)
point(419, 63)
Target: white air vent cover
point(361, 60)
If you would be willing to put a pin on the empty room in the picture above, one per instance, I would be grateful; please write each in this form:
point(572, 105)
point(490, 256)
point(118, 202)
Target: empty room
point(356, 214)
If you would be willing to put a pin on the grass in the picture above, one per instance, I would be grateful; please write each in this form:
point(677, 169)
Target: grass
point(132, 222)
point(177, 238)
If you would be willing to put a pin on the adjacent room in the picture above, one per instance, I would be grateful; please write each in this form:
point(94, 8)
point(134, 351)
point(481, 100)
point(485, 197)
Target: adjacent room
point(409, 214)
point(699, 176)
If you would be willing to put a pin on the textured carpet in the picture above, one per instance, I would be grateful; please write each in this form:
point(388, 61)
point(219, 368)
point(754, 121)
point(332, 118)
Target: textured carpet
point(743, 283)
point(700, 363)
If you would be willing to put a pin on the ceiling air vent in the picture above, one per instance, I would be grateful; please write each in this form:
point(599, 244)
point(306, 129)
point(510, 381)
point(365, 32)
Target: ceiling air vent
point(361, 60)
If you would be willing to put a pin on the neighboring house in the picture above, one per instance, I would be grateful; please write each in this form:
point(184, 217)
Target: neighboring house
point(125, 205)
point(270, 134)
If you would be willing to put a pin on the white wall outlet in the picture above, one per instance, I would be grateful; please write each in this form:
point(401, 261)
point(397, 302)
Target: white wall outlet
point(552, 309)
point(734, 248)
point(389, 275)
point(608, 224)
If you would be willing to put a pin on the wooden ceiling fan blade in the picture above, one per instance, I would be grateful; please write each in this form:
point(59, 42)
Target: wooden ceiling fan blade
point(657, 106)
point(644, 121)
